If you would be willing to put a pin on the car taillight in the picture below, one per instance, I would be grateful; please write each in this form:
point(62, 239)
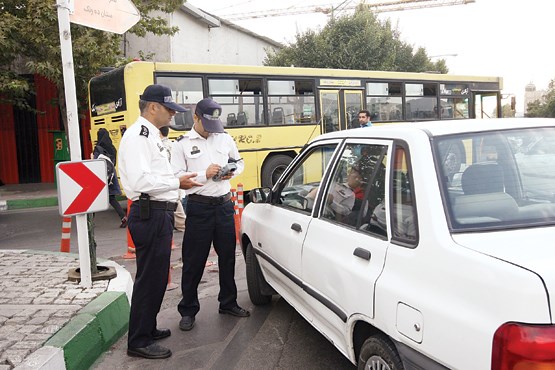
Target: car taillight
point(523, 347)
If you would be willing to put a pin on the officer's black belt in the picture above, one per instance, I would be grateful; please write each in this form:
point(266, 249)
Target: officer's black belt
point(209, 200)
point(156, 204)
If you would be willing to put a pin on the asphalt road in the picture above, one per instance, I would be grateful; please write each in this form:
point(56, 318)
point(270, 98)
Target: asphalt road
point(274, 337)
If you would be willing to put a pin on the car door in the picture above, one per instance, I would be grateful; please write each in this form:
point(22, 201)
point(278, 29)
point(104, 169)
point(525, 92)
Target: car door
point(284, 222)
point(345, 246)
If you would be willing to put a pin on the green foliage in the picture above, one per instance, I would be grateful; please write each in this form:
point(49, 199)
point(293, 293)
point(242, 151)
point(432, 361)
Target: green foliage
point(507, 111)
point(30, 43)
point(545, 108)
point(358, 41)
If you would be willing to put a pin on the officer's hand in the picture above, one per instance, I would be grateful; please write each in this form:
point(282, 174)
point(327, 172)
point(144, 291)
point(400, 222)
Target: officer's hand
point(212, 170)
point(187, 181)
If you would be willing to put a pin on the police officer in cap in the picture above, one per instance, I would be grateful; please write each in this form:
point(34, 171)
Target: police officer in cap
point(148, 180)
point(208, 150)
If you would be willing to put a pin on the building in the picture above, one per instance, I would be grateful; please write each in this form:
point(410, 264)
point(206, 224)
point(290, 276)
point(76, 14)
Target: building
point(531, 95)
point(202, 38)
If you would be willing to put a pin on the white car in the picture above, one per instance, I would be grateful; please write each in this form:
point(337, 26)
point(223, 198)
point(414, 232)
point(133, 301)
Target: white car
point(444, 259)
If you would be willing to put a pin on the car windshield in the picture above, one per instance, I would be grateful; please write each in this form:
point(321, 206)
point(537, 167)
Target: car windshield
point(497, 179)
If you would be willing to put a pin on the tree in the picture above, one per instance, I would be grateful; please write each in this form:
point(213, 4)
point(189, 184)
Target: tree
point(30, 43)
point(545, 107)
point(507, 111)
point(358, 41)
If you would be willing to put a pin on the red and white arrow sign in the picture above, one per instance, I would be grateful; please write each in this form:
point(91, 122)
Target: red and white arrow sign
point(82, 187)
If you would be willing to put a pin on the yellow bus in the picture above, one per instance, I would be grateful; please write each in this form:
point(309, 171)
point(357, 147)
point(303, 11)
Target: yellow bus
point(272, 112)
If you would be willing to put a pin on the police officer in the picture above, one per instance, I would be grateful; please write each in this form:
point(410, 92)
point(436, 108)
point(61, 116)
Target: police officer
point(206, 149)
point(149, 182)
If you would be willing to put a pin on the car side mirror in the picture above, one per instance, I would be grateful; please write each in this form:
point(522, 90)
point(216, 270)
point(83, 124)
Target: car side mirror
point(260, 195)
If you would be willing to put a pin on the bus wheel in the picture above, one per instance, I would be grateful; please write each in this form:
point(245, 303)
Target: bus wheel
point(378, 353)
point(273, 168)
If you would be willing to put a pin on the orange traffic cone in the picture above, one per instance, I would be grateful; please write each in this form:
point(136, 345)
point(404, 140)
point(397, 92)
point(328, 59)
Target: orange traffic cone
point(66, 235)
point(130, 245)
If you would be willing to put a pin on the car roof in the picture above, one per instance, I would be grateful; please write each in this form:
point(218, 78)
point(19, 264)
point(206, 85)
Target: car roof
point(440, 128)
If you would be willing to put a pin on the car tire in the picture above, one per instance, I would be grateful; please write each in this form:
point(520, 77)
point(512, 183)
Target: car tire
point(273, 168)
point(254, 278)
point(378, 353)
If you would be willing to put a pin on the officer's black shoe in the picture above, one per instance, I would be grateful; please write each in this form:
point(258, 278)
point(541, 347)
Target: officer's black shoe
point(153, 351)
point(235, 311)
point(186, 323)
point(161, 334)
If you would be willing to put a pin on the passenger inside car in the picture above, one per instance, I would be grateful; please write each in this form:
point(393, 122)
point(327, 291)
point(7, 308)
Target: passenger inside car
point(344, 197)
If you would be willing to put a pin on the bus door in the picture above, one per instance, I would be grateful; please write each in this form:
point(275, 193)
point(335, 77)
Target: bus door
point(339, 109)
point(486, 104)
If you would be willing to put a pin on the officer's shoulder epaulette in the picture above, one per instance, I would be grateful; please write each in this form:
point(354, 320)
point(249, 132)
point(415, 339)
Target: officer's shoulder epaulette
point(144, 131)
point(180, 138)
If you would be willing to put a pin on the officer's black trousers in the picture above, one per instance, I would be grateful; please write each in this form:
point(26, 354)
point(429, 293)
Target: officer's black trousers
point(206, 224)
point(152, 239)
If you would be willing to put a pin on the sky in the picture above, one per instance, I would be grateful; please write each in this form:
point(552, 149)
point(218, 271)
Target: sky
point(508, 38)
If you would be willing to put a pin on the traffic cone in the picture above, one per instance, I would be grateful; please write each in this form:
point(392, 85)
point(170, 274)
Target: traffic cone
point(130, 245)
point(66, 235)
point(171, 286)
point(236, 214)
point(240, 202)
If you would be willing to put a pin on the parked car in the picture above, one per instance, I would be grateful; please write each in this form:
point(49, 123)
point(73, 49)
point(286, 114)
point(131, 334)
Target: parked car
point(438, 255)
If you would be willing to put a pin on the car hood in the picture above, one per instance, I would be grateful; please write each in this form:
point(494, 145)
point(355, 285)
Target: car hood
point(532, 249)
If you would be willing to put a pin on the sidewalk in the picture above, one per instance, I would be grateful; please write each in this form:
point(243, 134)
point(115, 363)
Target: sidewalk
point(48, 322)
point(19, 196)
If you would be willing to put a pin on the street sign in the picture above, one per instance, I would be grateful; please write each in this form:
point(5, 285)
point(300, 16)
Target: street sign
point(115, 16)
point(82, 187)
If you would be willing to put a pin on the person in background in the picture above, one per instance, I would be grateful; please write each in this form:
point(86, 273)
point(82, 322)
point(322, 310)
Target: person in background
point(364, 118)
point(106, 150)
point(179, 215)
point(206, 149)
point(149, 182)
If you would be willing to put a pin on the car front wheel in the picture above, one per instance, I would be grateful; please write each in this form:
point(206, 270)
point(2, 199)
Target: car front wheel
point(378, 353)
point(255, 278)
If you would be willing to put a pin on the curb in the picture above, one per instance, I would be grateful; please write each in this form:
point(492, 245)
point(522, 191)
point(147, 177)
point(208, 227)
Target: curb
point(90, 333)
point(6, 205)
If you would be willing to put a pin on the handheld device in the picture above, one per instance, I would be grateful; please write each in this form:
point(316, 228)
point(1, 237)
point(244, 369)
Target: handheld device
point(230, 167)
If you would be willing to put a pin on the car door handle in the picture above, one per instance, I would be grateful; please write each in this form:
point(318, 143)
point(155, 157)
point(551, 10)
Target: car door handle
point(362, 253)
point(296, 227)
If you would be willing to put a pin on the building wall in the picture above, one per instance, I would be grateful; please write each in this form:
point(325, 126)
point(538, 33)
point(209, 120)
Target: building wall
point(196, 42)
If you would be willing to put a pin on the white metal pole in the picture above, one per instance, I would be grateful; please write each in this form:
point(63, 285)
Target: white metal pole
point(64, 7)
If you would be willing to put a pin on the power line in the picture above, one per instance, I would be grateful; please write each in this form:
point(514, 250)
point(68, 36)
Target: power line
point(382, 7)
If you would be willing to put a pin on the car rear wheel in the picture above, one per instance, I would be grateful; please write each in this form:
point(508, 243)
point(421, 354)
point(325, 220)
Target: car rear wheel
point(254, 279)
point(378, 353)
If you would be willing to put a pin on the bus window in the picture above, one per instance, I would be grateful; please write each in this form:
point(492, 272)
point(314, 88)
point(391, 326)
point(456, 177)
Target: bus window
point(330, 110)
point(454, 101)
point(291, 102)
point(421, 101)
point(186, 91)
point(108, 93)
point(384, 101)
point(486, 105)
point(241, 101)
point(454, 108)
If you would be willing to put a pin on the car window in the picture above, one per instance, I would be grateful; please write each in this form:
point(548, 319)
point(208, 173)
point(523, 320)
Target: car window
point(404, 225)
point(357, 189)
point(500, 179)
point(299, 188)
